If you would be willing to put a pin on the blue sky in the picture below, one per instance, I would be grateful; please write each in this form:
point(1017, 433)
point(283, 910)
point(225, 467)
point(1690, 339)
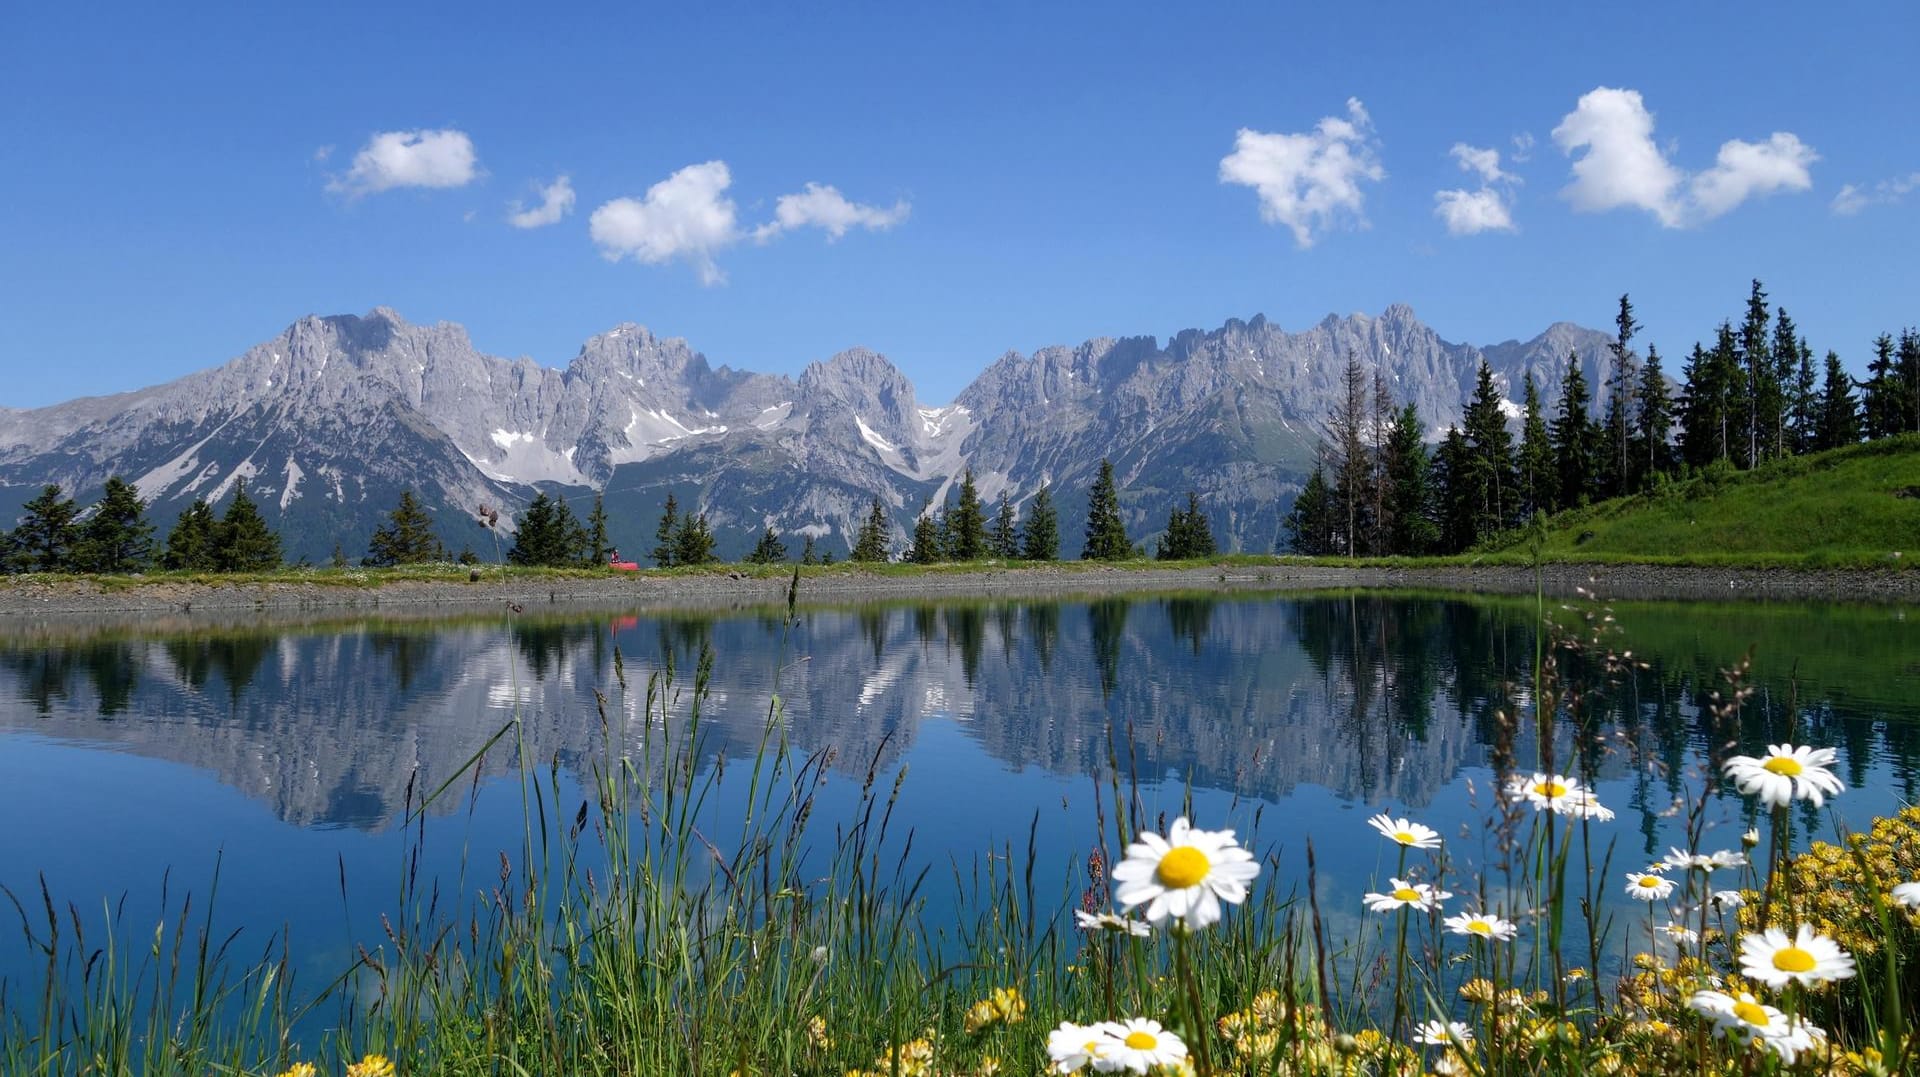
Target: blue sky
point(175, 187)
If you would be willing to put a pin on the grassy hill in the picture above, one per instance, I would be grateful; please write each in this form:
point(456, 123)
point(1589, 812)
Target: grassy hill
point(1854, 506)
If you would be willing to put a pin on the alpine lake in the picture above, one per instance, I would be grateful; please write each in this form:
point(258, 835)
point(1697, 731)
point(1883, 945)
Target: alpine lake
point(293, 777)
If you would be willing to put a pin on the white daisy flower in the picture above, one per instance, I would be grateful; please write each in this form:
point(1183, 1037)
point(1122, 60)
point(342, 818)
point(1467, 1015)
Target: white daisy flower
point(1585, 805)
point(1728, 858)
point(1907, 894)
point(1140, 1044)
point(1786, 774)
point(1744, 1018)
point(1072, 1046)
point(1405, 831)
point(1403, 894)
point(1808, 957)
point(1091, 922)
point(1443, 1033)
point(1483, 925)
point(1685, 861)
point(1727, 900)
point(1648, 886)
point(1679, 933)
point(1185, 875)
point(1551, 792)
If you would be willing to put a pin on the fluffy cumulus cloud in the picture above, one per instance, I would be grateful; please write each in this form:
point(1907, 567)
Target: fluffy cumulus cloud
point(1853, 198)
point(686, 216)
point(1617, 164)
point(1487, 209)
point(393, 159)
point(1309, 181)
point(556, 201)
point(823, 207)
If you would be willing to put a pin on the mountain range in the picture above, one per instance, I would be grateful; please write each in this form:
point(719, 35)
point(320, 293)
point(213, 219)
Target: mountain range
point(329, 421)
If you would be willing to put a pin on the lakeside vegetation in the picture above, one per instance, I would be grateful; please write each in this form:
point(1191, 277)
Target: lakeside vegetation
point(627, 934)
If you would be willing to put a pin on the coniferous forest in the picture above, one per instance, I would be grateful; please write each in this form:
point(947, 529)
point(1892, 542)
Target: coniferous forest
point(1753, 396)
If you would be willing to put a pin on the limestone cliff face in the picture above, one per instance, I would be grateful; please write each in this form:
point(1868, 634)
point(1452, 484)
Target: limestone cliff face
point(326, 423)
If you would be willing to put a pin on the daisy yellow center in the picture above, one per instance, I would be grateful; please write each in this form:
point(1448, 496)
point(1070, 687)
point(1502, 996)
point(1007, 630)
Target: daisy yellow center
point(1183, 867)
point(1651, 882)
point(1142, 1041)
point(1552, 790)
point(1752, 1013)
point(1793, 959)
point(1784, 765)
point(1480, 927)
point(1406, 893)
point(1090, 1048)
point(1405, 837)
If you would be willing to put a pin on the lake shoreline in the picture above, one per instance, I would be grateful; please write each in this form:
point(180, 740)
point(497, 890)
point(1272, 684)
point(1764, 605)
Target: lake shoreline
point(30, 600)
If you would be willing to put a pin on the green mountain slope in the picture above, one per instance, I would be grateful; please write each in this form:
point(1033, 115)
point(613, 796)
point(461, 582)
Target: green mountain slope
point(1858, 505)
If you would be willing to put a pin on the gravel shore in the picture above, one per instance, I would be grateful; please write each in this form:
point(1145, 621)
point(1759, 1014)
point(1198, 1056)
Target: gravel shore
point(27, 600)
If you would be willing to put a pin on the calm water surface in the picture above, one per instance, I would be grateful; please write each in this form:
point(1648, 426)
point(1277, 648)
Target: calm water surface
point(281, 757)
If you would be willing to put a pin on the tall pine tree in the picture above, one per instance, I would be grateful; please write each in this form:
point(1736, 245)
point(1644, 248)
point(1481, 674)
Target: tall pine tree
point(1619, 469)
point(1539, 472)
point(245, 542)
point(1409, 482)
point(967, 523)
point(1494, 491)
point(1040, 534)
point(1106, 532)
point(1004, 540)
point(117, 537)
point(871, 544)
point(663, 535)
point(1574, 437)
point(1839, 411)
point(406, 538)
point(1309, 525)
point(194, 543)
point(1653, 429)
point(46, 534)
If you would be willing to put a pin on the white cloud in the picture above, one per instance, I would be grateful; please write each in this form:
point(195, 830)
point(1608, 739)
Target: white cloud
point(1854, 198)
point(1483, 162)
point(321, 153)
point(410, 159)
point(1523, 147)
point(1469, 213)
point(685, 216)
point(1489, 209)
point(821, 206)
point(1620, 165)
point(1752, 170)
point(556, 201)
point(1309, 181)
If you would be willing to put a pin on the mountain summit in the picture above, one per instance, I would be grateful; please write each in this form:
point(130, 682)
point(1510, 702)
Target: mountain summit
point(327, 422)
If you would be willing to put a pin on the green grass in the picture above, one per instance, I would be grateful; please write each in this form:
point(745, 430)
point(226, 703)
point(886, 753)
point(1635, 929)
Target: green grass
point(1852, 507)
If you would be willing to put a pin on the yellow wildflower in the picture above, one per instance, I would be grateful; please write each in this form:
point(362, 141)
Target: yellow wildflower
point(372, 1066)
point(300, 1069)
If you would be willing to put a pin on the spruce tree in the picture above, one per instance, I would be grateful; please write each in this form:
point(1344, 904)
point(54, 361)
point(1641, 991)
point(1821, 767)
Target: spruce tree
point(1040, 535)
point(1906, 371)
point(1538, 472)
point(245, 542)
point(1106, 532)
point(1004, 540)
point(46, 534)
point(117, 537)
point(1574, 436)
point(693, 543)
point(598, 549)
point(769, 550)
point(1839, 411)
point(1786, 363)
point(539, 539)
point(1457, 491)
point(1654, 427)
point(1491, 464)
point(663, 535)
point(967, 523)
point(871, 545)
point(1409, 481)
point(406, 538)
point(1619, 469)
point(1349, 459)
point(807, 554)
point(1188, 535)
point(1309, 525)
point(1804, 427)
point(929, 546)
point(1757, 405)
point(193, 544)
